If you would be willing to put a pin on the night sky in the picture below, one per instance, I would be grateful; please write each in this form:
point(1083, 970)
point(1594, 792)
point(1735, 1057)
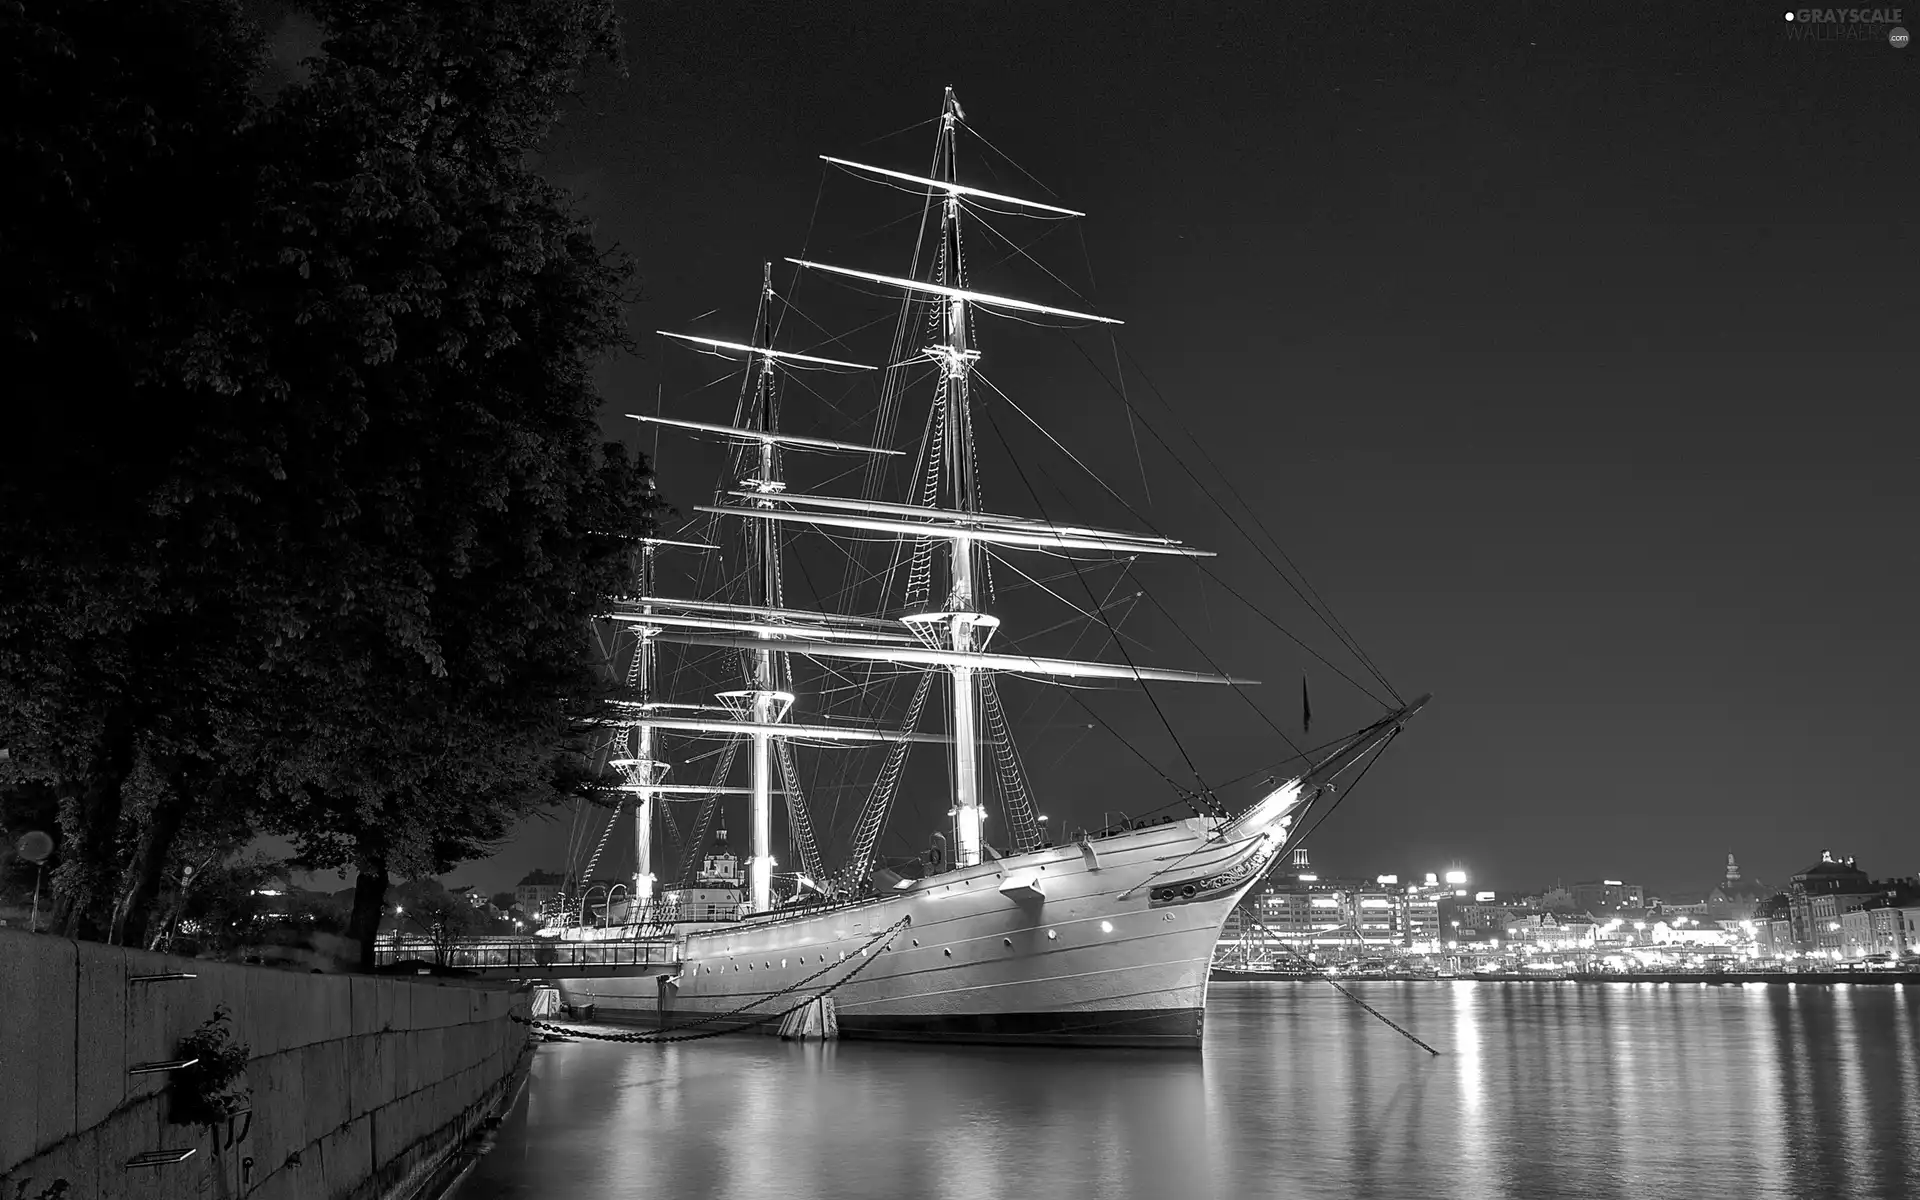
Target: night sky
point(1565, 347)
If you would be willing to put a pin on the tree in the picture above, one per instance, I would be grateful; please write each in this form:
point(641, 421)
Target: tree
point(445, 918)
point(323, 541)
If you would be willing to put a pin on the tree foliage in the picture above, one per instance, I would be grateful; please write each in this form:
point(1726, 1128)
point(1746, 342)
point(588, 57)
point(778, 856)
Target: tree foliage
point(311, 516)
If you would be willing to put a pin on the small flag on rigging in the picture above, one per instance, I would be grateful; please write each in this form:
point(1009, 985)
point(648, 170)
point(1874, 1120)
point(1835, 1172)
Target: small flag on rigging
point(1306, 706)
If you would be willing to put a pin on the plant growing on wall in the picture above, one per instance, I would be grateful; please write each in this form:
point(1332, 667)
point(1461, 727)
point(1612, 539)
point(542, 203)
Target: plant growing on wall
point(210, 1090)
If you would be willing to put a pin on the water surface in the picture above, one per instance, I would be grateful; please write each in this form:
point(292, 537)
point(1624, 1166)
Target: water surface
point(1542, 1090)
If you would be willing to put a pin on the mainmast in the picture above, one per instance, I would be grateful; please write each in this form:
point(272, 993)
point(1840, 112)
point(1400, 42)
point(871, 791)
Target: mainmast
point(759, 711)
point(961, 616)
point(766, 703)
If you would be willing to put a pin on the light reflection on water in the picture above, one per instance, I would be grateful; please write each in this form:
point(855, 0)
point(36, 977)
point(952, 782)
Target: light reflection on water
point(1543, 1090)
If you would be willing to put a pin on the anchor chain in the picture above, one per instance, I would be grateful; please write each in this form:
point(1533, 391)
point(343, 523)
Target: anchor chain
point(678, 1034)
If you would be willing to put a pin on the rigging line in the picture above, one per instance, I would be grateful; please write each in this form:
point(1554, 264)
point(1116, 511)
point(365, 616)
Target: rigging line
point(1325, 610)
point(1340, 635)
point(1008, 158)
point(875, 231)
point(830, 338)
point(1073, 647)
point(1272, 767)
point(1118, 644)
point(1339, 632)
point(1341, 796)
point(794, 276)
point(1210, 573)
point(1211, 662)
point(1093, 285)
point(896, 133)
point(1023, 251)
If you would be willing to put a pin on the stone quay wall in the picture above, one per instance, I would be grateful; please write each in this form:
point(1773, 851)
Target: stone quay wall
point(362, 1086)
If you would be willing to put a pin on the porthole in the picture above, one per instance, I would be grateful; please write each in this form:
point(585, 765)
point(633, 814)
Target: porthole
point(916, 941)
point(948, 952)
point(1106, 927)
point(1053, 935)
point(1006, 941)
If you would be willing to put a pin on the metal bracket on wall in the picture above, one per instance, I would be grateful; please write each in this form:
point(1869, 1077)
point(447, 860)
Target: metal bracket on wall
point(161, 1158)
point(155, 1068)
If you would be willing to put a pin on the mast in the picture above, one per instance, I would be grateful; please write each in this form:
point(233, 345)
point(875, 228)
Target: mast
point(642, 739)
point(758, 711)
point(766, 705)
point(645, 773)
point(961, 600)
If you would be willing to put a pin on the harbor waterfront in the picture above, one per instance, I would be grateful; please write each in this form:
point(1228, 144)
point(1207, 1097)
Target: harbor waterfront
point(1542, 1089)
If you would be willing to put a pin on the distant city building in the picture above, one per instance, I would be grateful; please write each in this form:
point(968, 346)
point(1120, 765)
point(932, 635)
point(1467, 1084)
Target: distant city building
point(1734, 898)
point(1306, 911)
point(1607, 895)
point(1829, 911)
point(538, 890)
point(720, 867)
point(1818, 896)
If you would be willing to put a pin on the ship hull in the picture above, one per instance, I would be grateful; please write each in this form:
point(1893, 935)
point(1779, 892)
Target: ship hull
point(1103, 943)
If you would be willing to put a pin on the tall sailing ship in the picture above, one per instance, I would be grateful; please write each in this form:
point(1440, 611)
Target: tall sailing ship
point(1102, 939)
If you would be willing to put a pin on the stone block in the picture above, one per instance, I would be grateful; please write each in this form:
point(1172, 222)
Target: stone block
point(37, 1057)
point(364, 995)
point(374, 1077)
point(294, 1010)
point(279, 1108)
point(100, 1027)
point(445, 1005)
point(396, 1000)
point(323, 1080)
point(429, 1050)
point(397, 1126)
point(346, 1157)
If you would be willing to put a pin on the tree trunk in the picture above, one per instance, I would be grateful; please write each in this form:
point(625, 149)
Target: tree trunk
point(89, 827)
point(369, 904)
point(132, 915)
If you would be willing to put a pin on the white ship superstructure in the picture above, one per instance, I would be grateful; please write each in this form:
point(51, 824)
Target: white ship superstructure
point(1099, 940)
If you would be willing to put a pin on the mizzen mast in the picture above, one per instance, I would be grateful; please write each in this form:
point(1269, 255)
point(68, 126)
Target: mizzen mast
point(645, 773)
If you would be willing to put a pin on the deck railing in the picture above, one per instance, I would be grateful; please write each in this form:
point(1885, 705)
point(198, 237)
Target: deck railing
point(531, 954)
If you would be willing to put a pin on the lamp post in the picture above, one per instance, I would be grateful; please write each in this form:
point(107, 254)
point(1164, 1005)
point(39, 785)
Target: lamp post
point(35, 846)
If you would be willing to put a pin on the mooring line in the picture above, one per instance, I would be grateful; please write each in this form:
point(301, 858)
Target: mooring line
point(677, 1033)
point(1309, 964)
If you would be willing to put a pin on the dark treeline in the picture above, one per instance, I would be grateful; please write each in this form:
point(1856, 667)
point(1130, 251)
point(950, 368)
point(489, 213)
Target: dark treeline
point(304, 512)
